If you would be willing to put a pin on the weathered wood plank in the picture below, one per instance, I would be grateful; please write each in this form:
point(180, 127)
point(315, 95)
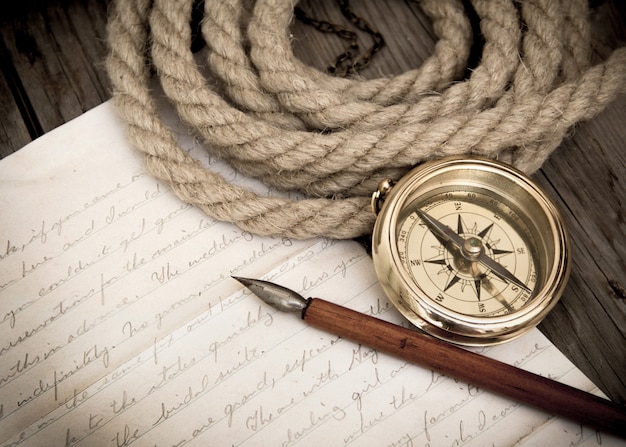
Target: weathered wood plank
point(13, 130)
point(57, 49)
point(587, 177)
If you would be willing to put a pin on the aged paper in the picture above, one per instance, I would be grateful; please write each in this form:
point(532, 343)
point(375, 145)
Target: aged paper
point(120, 324)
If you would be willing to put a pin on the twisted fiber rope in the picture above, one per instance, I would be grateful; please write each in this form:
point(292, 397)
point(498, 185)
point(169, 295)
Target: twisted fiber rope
point(335, 139)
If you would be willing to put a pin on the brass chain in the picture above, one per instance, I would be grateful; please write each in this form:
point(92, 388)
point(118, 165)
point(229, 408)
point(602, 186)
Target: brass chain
point(348, 62)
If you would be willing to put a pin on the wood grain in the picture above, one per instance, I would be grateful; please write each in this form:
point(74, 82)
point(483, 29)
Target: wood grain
point(52, 52)
point(53, 56)
point(586, 178)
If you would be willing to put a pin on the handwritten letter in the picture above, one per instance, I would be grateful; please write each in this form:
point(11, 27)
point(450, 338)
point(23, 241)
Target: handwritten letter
point(121, 325)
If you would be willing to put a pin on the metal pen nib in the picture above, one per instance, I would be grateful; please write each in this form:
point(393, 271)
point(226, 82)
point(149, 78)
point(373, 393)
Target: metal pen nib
point(279, 297)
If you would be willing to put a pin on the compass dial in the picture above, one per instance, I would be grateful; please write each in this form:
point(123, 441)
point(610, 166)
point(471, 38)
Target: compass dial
point(469, 249)
point(454, 275)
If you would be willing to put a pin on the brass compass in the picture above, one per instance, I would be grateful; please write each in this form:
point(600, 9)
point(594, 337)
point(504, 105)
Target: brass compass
point(470, 250)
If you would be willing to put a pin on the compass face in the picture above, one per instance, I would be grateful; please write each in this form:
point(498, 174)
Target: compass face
point(470, 250)
point(457, 280)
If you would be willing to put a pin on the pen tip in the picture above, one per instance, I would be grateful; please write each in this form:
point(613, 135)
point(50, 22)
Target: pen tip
point(277, 296)
point(245, 281)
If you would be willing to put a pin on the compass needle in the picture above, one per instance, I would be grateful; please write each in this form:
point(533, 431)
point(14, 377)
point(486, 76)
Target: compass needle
point(501, 272)
point(489, 287)
point(458, 240)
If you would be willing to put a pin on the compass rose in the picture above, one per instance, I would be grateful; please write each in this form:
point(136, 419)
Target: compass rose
point(460, 264)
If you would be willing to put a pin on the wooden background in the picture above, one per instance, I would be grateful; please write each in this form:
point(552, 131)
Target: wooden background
point(52, 53)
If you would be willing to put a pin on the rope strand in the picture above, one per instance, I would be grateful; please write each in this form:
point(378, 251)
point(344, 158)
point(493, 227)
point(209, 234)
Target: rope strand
point(334, 139)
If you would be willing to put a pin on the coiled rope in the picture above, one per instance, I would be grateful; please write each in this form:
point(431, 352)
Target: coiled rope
point(334, 139)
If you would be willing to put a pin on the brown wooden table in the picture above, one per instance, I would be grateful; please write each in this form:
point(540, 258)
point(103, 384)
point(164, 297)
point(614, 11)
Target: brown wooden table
point(52, 71)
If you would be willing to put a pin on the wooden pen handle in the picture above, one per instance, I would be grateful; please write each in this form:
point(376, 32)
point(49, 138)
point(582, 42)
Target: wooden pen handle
point(517, 384)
